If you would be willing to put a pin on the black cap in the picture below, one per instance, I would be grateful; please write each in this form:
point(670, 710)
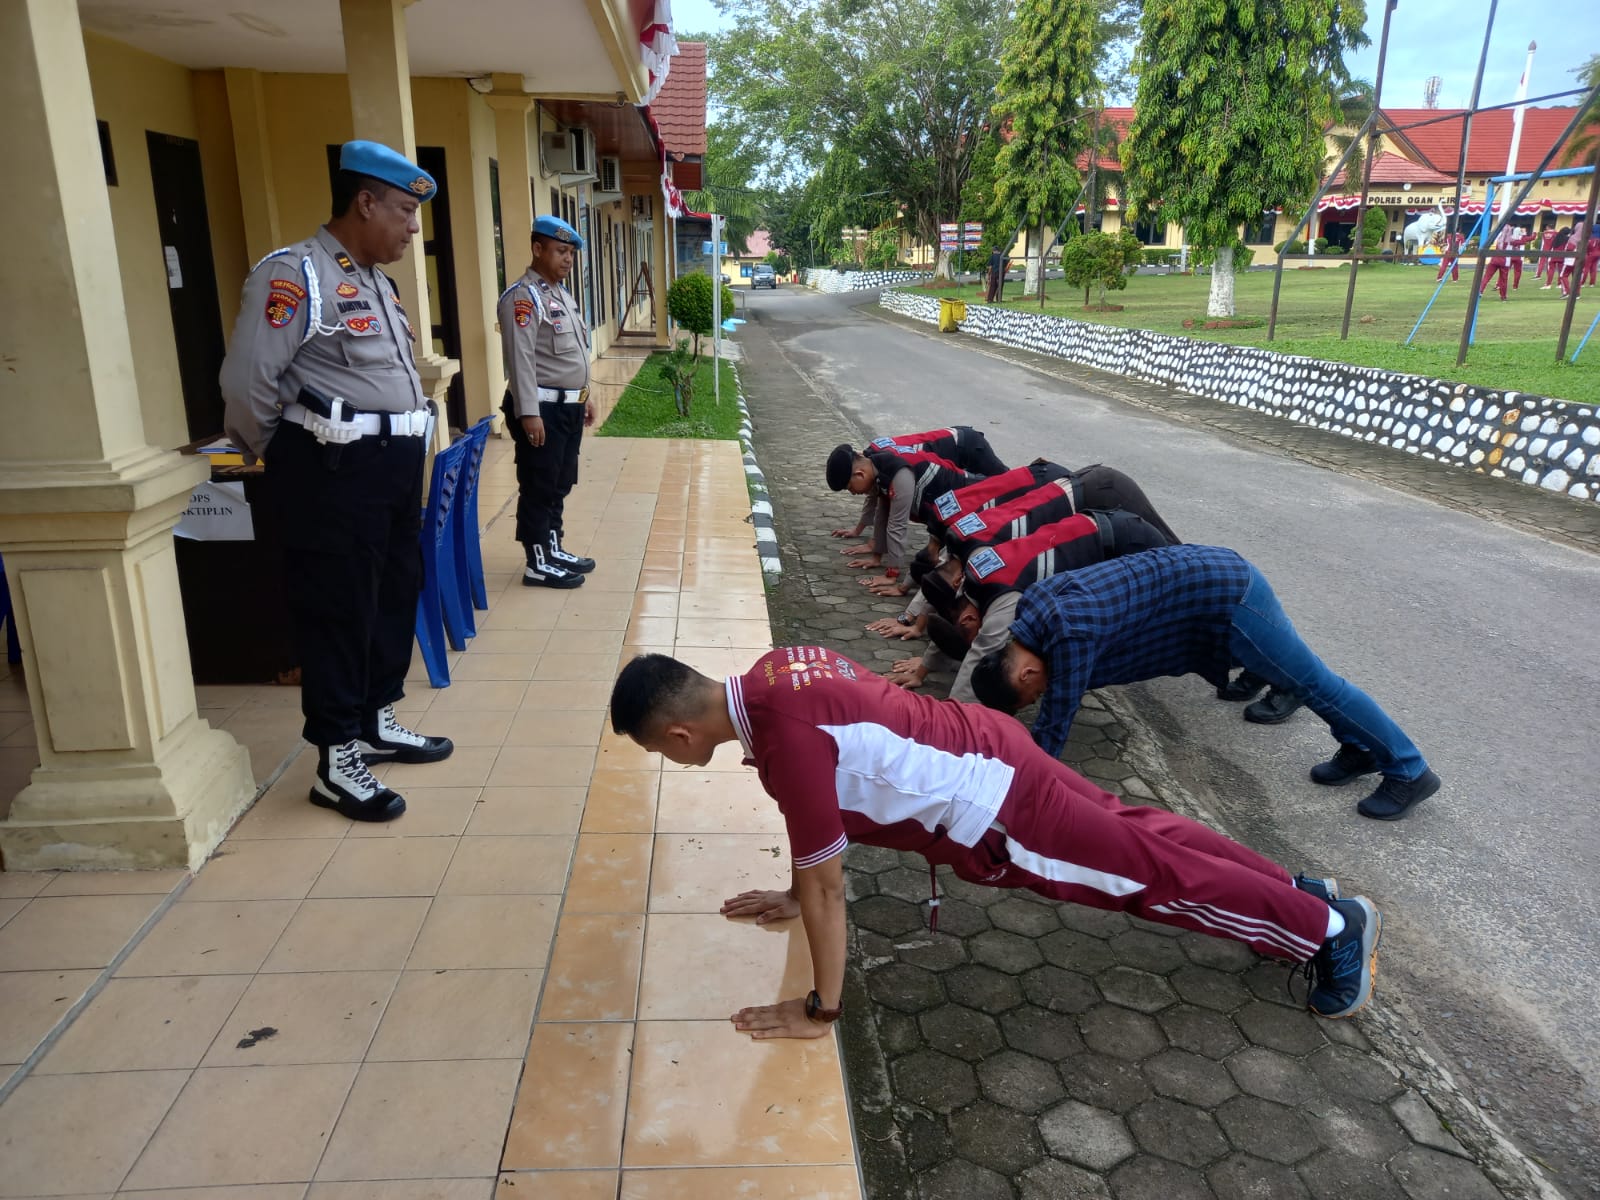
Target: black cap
point(840, 463)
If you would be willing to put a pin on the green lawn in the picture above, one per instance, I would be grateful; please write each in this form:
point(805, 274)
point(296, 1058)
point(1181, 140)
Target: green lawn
point(646, 409)
point(1515, 347)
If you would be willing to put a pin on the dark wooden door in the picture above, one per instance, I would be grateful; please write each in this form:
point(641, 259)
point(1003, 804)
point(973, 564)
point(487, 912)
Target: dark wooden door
point(180, 194)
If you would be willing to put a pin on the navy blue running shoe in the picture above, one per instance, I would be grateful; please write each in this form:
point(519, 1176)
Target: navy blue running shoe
point(1324, 889)
point(1343, 970)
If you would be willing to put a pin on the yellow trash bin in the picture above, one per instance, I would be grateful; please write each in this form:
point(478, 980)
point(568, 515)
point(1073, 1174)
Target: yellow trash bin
point(951, 314)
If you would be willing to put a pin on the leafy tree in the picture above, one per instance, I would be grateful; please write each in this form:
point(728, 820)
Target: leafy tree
point(1101, 260)
point(689, 305)
point(779, 262)
point(895, 94)
point(1584, 147)
point(733, 164)
point(1048, 74)
point(1354, 105)
point(882, 249)
point(1233, 98)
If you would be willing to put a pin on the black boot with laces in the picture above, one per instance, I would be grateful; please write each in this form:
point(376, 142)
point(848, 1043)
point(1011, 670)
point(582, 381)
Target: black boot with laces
point(344, 784)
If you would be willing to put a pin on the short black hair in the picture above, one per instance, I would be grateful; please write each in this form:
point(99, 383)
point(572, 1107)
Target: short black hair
point(347, 185)
point(947, 636)
point(651, 687)
point(991, 683)
point(841, 462)
point(941, 594)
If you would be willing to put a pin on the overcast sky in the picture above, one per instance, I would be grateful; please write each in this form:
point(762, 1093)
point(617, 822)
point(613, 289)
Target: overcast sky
point(1428, 37)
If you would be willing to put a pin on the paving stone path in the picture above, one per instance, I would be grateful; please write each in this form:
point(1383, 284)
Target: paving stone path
point(1032, 1050)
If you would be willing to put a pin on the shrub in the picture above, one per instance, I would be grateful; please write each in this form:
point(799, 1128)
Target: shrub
point(1335, 251)
point(1098, 259)
point(1158, 256)
point(689, 305)
point(1374, 229)
point(1321, 244)
point(1290, 248)
point(779, 262)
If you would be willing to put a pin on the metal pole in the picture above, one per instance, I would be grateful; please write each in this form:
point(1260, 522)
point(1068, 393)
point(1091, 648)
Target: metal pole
point(1466, 126)
point(716, 309)
point(1577, 271)
point(1311, 208)
point(1366, 175)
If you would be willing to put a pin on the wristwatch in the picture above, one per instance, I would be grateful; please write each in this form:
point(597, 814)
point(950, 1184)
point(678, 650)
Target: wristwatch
point(815, 1011)
point(906, 619)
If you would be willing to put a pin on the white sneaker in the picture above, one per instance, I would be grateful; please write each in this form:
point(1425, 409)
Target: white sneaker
point(386, 740)
point(344, 784)
point(568, 562)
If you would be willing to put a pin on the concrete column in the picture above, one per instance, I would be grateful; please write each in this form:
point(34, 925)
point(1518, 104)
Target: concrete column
point(258, 192)
point(662, 269)
point(378, 61)
point(511, 108)
point(129, 775)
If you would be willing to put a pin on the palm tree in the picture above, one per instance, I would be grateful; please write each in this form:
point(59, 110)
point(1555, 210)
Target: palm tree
point(1584, 148)
point(1354, 103)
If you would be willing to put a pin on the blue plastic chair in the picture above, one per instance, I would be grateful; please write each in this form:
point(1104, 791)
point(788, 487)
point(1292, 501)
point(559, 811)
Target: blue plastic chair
point(8, 618)
point(439, 604)
point(469, 542)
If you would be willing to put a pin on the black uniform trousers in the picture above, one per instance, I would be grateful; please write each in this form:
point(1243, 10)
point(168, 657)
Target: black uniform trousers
point(353, 561)
point(1108, 488)
point(545, 474)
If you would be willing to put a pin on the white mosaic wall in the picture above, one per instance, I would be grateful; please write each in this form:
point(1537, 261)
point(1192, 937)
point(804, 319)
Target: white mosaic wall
point(827, 280)
point(1551, 443)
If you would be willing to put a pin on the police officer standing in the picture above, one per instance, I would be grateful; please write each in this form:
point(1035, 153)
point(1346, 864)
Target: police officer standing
point(320, 383)
point(547, 405)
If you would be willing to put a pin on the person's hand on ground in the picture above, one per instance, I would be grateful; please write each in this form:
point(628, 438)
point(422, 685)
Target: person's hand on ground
point(907, 673)
point(866, 562)
point(842, 533)
point(853, 551)
point(890, 627)
point(884, 586)
point(786, 1019)
point(763, 906)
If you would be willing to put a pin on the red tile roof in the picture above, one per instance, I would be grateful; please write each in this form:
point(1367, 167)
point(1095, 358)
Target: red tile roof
point(680, 109)
point(1440, 143)
point(1390, 169)
point(758, 244)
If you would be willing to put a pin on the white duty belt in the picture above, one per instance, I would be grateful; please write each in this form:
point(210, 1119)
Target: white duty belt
point(562, 395)
point(371, 424)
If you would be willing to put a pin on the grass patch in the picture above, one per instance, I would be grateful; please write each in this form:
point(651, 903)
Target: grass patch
point(645, 408)
point(1515, 347)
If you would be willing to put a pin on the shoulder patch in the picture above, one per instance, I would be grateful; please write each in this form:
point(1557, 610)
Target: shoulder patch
point(947, 505)
point(883, 442)
point(969, 524)
point(347, 289)
point(984, 563)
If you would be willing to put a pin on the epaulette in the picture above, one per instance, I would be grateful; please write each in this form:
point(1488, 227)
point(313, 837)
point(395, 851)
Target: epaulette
point(278, 253)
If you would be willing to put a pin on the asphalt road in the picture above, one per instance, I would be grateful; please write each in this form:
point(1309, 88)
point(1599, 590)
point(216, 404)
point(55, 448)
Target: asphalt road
point(1479, 639)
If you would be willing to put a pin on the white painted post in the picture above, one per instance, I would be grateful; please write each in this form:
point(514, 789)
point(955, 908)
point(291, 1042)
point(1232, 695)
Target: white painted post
point(716, 308)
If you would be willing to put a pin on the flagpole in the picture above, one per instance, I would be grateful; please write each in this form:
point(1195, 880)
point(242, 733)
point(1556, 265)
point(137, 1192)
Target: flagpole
point(1516, 118)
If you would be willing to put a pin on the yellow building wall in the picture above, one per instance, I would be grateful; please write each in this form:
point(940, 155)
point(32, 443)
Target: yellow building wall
point(135, 92)
point(485, 342)
point(223, 208)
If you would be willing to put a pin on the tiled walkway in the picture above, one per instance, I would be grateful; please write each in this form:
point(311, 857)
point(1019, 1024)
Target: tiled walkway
point(525, 977)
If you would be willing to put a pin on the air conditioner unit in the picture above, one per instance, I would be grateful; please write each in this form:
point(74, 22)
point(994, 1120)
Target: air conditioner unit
point(610, 176)
point(569, 152)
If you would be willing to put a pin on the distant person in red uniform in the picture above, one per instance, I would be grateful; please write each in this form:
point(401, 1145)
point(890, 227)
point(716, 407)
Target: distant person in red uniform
point(1520, 238)
point(1450, 257)
point(851, 758)
point(1591, 259)
point(1547, 239)
point(1499, 265)
point(1553, 264)
point(1569, 264)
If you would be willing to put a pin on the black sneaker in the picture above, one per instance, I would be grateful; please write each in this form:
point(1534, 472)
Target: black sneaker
point(344, 784)
point(1343, 970)
point(1349, 764)
point(1394, 798)
point(1324, 889)
point(1276, 707)
point(566, 561)
point(1247, 685)
point(541, 572)
point(386, 740)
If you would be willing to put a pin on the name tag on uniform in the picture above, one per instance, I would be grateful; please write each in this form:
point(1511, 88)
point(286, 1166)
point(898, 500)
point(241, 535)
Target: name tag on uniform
point(984, 563)
point(947, 505)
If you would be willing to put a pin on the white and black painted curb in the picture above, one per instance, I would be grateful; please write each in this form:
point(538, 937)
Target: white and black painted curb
point(1553, 444)
point(760, 497)
point(825, 279)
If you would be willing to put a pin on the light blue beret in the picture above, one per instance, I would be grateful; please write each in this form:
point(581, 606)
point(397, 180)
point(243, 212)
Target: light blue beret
point(378, 161)
point(558, 230)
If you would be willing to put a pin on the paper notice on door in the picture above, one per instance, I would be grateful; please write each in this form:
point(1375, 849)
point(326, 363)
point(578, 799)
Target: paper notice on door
point(217, 512)
point(174, 267)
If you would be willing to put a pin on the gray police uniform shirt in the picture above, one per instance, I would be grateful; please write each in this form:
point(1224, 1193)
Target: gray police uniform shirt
point(310, 314)
point(543, 339)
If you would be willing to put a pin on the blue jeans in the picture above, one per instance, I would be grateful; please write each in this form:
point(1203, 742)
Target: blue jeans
point(1264, 641)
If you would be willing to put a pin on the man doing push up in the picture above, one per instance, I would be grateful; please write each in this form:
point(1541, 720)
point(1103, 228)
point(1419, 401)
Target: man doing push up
point(849, 757)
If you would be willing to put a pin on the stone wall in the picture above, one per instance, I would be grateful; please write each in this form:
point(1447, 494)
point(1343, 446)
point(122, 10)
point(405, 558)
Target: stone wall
point(1551, 443)
point(827, 280)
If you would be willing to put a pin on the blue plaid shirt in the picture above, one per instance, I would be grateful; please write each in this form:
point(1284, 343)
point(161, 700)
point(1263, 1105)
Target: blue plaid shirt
point(1167, 611)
